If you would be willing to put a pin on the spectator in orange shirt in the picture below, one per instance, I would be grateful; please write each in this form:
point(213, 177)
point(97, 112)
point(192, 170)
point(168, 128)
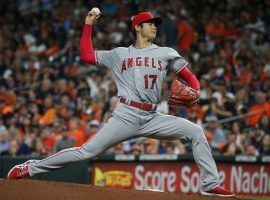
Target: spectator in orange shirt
point(261, 107)
point(49, 111)
point(232, 32)
point(48, 140)
point(75, 131)
point(216, 29)
point(186, 34)
point(5, 109)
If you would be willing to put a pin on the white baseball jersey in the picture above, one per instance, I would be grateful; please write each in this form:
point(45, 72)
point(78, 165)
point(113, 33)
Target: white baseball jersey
point(139, 73)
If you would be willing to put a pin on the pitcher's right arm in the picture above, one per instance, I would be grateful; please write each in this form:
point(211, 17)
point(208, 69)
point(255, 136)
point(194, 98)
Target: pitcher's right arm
point(86, 45)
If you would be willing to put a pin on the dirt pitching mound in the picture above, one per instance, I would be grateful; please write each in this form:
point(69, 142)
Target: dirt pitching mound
point(46, 190)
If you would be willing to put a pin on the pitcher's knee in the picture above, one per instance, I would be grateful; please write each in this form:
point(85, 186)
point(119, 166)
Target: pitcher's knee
point(86, 154)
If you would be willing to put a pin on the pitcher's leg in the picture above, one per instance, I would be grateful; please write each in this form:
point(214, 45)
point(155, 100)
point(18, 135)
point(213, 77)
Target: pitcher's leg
point(169, 127)
point(113, 132)
point(204, 160)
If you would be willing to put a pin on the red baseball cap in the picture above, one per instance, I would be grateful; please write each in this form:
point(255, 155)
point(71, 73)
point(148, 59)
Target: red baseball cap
point(144, 17)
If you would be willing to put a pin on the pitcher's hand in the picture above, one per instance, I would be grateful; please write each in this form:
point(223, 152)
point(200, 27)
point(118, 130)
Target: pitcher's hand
point(92, 16)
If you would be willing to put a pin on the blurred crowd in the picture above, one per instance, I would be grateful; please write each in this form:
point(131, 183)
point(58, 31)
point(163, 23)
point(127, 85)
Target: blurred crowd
point(50, 100)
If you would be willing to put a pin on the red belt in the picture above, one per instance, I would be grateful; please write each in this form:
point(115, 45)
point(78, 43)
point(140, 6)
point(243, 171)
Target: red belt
point(142, 106)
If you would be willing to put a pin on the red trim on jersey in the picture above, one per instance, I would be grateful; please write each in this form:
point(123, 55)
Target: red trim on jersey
point(181, 68)
point(187, 76)
point(86, 46)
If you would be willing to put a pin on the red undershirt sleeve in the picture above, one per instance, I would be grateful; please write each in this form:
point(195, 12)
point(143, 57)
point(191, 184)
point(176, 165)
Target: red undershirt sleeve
point(86, 46)
point(190, 79)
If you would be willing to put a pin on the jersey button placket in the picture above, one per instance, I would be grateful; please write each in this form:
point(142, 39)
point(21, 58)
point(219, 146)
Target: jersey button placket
point(137, 75)
point(137, 78)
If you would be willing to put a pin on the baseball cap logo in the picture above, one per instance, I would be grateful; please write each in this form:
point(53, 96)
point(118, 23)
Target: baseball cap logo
point(144, 17)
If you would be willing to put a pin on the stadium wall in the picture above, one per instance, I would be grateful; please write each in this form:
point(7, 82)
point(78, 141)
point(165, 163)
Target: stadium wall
point(244, 175)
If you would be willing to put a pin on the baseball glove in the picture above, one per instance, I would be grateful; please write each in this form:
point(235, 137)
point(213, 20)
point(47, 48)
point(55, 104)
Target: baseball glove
point(182, 95)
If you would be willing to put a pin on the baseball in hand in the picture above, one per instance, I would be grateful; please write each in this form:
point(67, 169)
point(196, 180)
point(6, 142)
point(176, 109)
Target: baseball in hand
point(95, 12)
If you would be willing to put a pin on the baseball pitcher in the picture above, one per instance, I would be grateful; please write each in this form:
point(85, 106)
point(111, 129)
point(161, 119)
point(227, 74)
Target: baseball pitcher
point(138, 71)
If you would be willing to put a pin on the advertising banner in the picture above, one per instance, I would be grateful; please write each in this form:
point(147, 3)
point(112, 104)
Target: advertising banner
point(241, 178)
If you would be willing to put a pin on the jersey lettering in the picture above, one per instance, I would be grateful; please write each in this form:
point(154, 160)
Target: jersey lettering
point(130, 62)
point(159, 65)
point(123, 66)
point(146, 61)
point(138, 62)
point(153, 63)
point(142, 61)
